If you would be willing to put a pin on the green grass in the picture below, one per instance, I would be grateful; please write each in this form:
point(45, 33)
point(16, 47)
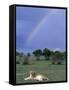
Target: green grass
point(54, 72)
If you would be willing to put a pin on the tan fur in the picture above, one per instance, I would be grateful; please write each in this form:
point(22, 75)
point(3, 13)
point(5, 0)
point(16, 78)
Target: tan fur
point(34, 76)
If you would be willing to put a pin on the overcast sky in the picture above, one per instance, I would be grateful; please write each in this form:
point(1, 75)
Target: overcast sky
point(39, 28)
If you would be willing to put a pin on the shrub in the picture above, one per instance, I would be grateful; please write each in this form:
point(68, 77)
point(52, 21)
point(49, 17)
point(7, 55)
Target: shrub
point(59, 62)
point(53, 62)
point(25, 63)
point(17, 62)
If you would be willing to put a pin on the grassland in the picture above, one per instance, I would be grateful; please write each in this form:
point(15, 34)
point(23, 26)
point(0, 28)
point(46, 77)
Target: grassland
point(53, 72)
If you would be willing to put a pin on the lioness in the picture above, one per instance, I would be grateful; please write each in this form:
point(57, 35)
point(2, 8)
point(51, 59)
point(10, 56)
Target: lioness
point(34, 76)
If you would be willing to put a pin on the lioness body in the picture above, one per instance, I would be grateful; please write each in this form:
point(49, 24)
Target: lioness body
point(34, 76)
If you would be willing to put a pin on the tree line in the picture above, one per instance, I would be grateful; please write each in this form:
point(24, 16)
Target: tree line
point(47, 53)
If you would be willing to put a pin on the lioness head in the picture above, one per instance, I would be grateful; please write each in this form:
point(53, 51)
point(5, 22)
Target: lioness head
point(33, 73)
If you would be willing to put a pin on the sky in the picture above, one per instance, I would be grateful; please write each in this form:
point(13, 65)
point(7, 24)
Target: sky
point(39, 28)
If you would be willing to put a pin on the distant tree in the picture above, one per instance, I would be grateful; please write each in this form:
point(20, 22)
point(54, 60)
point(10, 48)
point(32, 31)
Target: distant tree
point(26, 59)
point(51, 54)
point(64, 55)
point(58, 57)
point(17, 53)
point(47, 53)
point(28, 54)
point(37, 53)
point(21, 54)
point(21, 57)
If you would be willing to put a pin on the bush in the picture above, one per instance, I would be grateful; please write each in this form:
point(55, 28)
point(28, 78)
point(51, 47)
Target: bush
point(26, 60)
point(53, 62)
point(25, 63)
point(17, 62)
point(59, 63)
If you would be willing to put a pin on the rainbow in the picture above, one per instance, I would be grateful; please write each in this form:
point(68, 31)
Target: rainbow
point(37, 28)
